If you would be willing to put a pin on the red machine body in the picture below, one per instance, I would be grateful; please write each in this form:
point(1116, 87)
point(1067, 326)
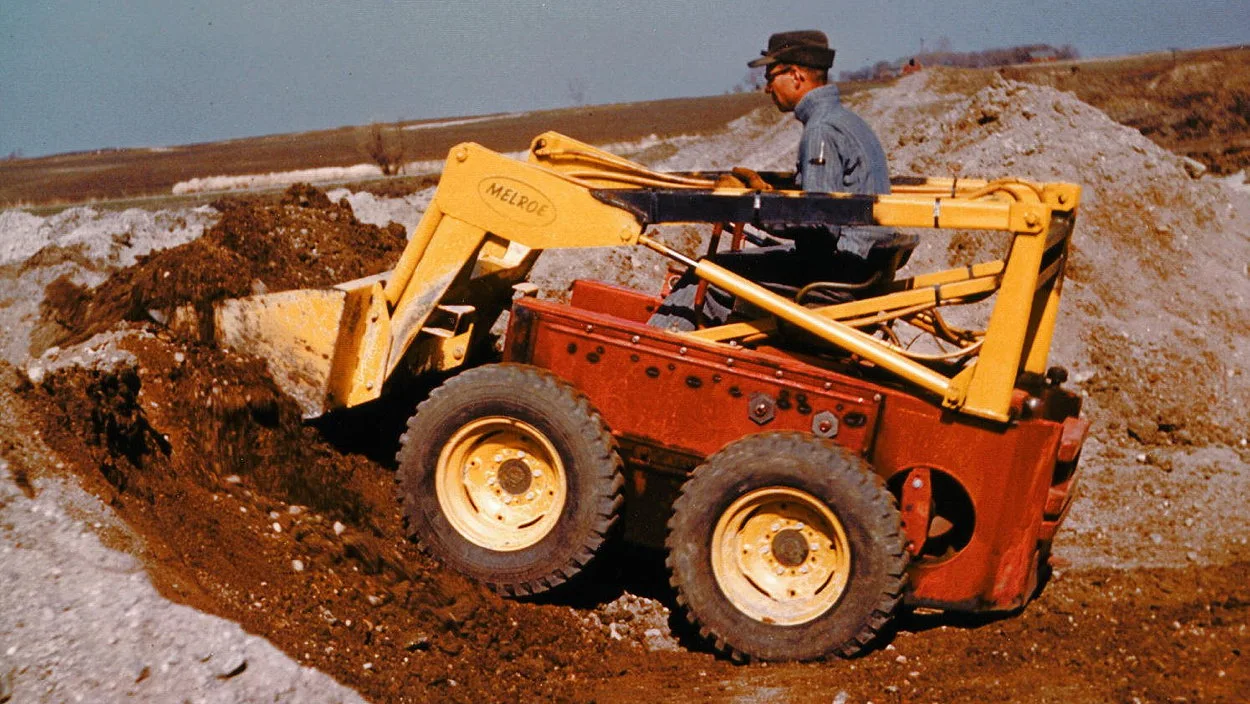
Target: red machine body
point(980, 501)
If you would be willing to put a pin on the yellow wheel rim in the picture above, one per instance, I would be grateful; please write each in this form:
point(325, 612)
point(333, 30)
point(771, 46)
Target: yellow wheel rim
point(780, 556)
point(501, 483)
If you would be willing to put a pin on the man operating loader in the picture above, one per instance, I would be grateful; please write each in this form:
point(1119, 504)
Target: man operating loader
point(838, 152)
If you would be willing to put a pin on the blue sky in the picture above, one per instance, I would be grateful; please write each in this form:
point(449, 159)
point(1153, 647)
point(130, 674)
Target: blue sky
point(88, 74)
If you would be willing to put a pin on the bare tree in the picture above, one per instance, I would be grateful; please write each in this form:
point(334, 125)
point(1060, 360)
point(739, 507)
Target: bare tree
point(385, 145)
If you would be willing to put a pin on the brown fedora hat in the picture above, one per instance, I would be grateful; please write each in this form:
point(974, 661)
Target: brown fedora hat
point(804, 47)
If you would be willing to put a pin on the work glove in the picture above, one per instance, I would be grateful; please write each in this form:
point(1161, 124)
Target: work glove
point(729, 181)
point(751, 179)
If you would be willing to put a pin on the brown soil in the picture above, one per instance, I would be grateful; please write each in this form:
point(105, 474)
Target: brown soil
point(1195, 103)
point(198, 451)
point(250, 514)
point(300, 240)
point(134, 173)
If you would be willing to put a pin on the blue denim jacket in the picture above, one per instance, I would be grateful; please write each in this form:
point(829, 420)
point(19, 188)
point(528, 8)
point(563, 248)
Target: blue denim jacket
point(840, 152)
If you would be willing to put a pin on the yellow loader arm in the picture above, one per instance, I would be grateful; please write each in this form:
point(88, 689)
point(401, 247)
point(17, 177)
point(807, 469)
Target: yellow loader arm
point(489, 220)
point(491, 216)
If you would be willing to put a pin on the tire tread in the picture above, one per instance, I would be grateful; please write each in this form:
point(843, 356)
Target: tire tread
point(572, 404)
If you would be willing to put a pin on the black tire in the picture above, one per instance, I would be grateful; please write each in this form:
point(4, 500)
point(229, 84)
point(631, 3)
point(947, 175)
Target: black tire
point(508, 475)
point(835, 590)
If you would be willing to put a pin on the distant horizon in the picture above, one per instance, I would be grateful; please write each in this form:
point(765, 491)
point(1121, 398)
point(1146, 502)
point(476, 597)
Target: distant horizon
point(92, 75)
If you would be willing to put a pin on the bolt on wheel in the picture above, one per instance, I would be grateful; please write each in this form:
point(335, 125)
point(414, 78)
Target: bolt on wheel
point(780, 556)
point(501, 483)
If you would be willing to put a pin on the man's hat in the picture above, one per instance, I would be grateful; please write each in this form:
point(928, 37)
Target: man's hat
point(804, 47)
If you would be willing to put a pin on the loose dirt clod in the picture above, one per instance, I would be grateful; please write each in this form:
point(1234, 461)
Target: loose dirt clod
point(258, 246)
point(207, 450)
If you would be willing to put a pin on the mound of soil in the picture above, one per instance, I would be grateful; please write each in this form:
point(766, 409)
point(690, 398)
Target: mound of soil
point(251, 515)
point(1157, 257)
point(301, 241)
point(1192, 103)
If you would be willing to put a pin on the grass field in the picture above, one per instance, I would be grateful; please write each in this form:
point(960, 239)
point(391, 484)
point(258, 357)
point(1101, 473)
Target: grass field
point(1201, 110)
point(130, 175)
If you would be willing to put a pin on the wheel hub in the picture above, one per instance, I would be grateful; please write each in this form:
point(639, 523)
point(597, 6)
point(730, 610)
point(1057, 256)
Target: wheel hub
point(501, 483)
point(790, 547)
point(514, 476)
point(781, 555)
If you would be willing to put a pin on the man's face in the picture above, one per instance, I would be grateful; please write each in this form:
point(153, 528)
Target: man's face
point(784, 84)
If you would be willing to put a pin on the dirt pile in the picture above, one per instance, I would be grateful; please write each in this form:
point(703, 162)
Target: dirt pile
point(258, 246)
point(1192, 103)
point(1158, 258)
point(82, 622)
point(251, 515)
point(1154, 315)
point(82, 246)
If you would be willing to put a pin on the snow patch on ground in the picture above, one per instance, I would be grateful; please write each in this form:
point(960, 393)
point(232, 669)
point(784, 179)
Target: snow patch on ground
point(82, 622)
point(84, 244)
point(275, 179)
point(380, 211)
point(110, 238)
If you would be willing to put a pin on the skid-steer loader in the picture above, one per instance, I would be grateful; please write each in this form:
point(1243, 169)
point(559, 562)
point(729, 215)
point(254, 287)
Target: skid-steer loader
point(806, 470)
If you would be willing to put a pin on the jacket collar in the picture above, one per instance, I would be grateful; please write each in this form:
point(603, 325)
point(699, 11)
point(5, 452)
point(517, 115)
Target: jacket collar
point(826, 96)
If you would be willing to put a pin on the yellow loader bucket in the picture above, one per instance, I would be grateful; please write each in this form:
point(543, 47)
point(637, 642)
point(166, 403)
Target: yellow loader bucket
point(325, 348)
